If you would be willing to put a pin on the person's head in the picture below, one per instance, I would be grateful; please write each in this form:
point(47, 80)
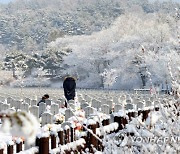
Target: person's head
point(46, 96)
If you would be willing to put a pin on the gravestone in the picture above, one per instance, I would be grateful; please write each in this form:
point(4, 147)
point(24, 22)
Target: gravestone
point(42, 108)
point(9, 100)
point(129, 106)
point(68, 114)
point(105, 109)
point(128, 101)
point(25, 107)
point(27, 100)
point(110, 103)
point(88, 111)
point(71, 101)
point(54, 109)
point(156, 103)
point(5, 106)
point(17, 105)
point(140, 106)
point(33, 102)
point(84, 105)
point(117, 107)
point(12, 103)
point(71, 105)
point(60, 103)
point(48, 102)
point(47, 118)
point(115, 100)
point(34, 110)
point(96, 104)
point(1, 104)
point(148, 103)
point(65, 124)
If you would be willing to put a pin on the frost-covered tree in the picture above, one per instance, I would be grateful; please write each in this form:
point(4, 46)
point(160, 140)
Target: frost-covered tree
point(120, 47)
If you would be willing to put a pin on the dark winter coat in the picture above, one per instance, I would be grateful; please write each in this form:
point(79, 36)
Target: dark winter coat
point(69, 86)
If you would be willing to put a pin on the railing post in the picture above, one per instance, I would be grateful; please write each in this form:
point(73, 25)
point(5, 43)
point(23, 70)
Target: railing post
point(66, 134)
point(92, 139)
point(60, 135)
point(19, 144)
point(122, 121)
point(1, 151)
point(44, 145)
point(105, 122)
point(53, 141)
point(72, 134)
point(18, 147)
point(9, 149)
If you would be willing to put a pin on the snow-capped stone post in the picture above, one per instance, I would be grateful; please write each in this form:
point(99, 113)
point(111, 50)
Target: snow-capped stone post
point(10, 147)
point(53, 136)
point(72, 129)
point(66, 134)
point(1, 151)
point(19, 143)
point(91, 139)
point(121, 119)
point(60, 136)
point(44, 145)
point(106, 121)
point(131, 110)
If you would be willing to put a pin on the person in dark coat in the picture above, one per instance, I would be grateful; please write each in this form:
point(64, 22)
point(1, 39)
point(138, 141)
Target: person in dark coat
point(46, 96)
point(69, 86)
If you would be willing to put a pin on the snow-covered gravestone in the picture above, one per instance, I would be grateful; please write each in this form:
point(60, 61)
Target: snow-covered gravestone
point(140, 106)
point(103, 101)
point(105, 109)
point(96, 104)
point(9, 100)
point(156, 103)
point(47, 118)
point(34, 110)
point(83, 101)
point(117, 107)
point(65, 124)
point(71, 101)
point(42, 108)
point(115, 99)
point(110, 103)
point(54, 109)
point(129, 106)
point(33, 102)
point(17, 104)
point(1, 104)
point(48, 102)
point(25, 107)
point(128, 101)
point(71, 105)
point(68, 114)
point(148, 103)
point(5, 106)
point(84, 105)
point(88, 111)
point(60, 103)
point(87, 98)
point(27, 100)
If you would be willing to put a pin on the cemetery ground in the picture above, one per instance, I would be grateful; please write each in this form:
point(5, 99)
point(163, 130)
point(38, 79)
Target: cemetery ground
point(98, 121)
